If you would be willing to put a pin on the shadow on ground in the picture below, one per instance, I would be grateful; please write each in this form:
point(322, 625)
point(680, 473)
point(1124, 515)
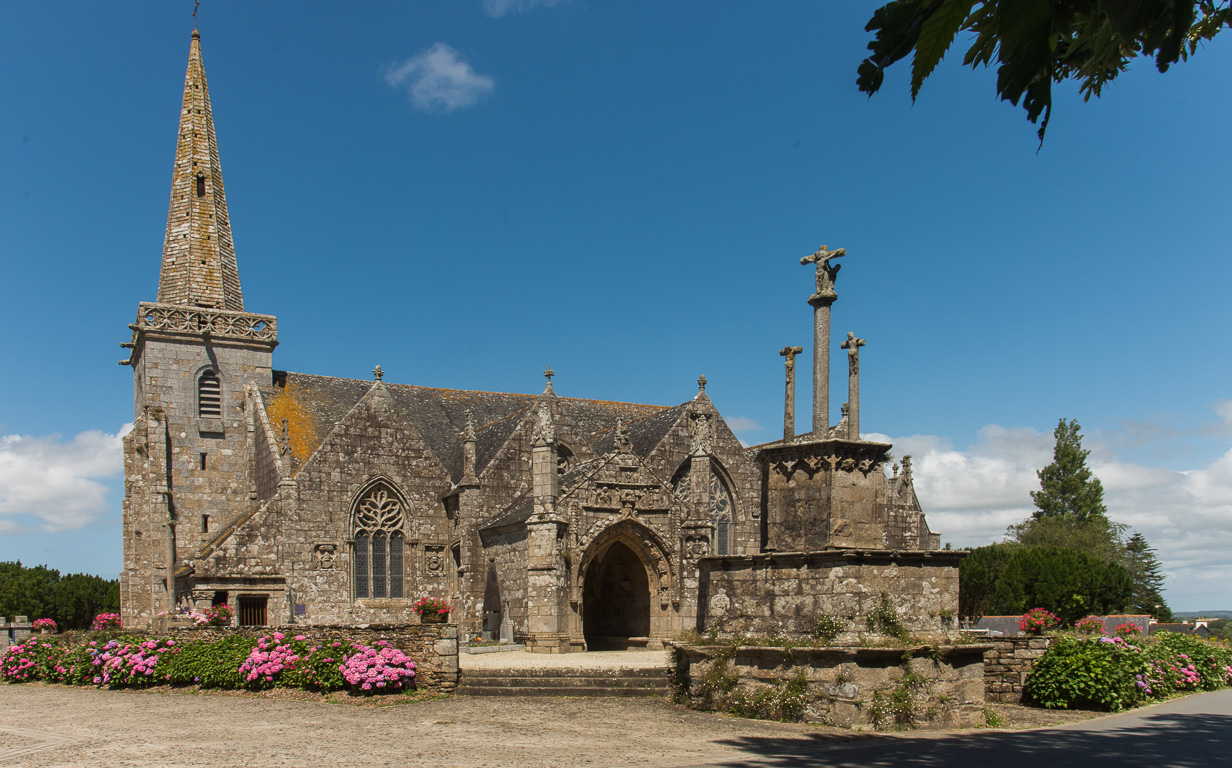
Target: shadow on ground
point(1160, 741)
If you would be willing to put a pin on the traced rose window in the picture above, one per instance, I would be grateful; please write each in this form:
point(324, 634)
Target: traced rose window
point(380, 542)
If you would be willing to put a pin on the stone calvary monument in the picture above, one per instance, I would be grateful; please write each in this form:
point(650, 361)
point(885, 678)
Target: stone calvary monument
point(563, 522)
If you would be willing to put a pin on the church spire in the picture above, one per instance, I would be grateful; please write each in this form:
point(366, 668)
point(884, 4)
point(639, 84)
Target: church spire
point(199, 266)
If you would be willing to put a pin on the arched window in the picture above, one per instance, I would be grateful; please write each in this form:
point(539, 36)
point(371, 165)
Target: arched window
point(209, 395)
point(720, 512)
point(380, 544)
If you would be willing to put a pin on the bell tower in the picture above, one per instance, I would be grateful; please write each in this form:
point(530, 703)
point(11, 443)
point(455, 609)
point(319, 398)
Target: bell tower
point(193, 352)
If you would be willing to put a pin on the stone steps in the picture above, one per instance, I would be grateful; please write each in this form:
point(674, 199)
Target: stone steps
point(564, 682)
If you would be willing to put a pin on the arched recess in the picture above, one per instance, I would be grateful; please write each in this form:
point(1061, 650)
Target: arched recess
point(722, 511)
point(209, 392)
point(378, 524)
point(625, 577)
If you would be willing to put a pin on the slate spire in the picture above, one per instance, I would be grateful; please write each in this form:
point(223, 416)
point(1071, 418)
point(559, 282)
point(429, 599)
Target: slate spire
point(199, 267)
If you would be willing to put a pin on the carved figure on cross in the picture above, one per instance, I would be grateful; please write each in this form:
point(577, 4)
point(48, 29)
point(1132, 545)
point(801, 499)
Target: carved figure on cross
point(790, 353)
point(827, 274)
point(852, 345)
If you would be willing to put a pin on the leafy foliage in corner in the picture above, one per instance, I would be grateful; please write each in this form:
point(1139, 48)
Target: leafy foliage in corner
point(884, 619)
point(1039, 42)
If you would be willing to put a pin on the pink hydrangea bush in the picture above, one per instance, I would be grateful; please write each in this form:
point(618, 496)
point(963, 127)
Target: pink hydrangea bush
point(134, 663)
point(373, 670)
point(266, 663)
point(1091, 625)
point(106, 621)
point(1037, 621)
point(45, 624)
point(28, 660)
point(1128, 630)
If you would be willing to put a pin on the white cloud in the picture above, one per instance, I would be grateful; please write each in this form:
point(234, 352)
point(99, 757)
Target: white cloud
point(438, 80)
point(743, 424)
point(971, 496)
point(56, 482)
point(498, 8)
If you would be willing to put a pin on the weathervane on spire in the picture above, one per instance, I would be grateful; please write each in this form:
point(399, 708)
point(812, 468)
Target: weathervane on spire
point(195, 6)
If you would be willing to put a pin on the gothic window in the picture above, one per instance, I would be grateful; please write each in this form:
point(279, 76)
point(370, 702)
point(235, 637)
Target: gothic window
point(380, 544)
point(720, 512)
point(564, 459)
point(209, 395)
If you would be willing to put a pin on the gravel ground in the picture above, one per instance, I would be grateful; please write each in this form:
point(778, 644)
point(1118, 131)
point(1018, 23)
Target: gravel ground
point(50, 725)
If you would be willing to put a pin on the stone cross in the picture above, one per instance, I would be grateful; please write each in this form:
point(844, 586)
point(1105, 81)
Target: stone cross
point(826, 274)
point(820, 302)
point(378, 373)
point(701, 383)
point(789, 406)
point(852, 345)
point(548, 374)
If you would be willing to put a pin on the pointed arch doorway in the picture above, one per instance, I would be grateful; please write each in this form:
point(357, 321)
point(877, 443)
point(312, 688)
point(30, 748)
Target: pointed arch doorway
point(616, 599)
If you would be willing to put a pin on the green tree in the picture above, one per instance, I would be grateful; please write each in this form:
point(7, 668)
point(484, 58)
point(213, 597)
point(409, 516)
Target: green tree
point(1069, 583)
point(978, 574)
point(1039, 42)
point(40, 592)
point(1068, 490)
point(1148, 582)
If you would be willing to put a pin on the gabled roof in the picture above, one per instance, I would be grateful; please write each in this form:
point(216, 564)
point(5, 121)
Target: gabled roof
point(645, 433)
point(314, 405)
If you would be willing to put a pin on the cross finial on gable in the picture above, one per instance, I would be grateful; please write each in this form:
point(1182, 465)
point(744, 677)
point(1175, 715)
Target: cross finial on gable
point(701, 383)
point(377, 373)
point(548, 374)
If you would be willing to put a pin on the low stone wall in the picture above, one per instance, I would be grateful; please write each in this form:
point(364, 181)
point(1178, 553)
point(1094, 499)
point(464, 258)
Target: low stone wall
point(14, 632)
point(1007, 663)
point(433, 647)
point(785, 593)
point(918, 687)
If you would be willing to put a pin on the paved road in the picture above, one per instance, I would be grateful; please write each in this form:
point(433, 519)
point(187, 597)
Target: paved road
point(1194, 732)
point(45, 726)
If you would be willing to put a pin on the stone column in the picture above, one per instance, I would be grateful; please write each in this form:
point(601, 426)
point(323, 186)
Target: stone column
point(789, 405)
point(852, 345)
point(821, 301)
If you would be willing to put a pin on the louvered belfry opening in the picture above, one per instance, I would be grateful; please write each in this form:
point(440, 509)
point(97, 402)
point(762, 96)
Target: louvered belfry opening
point(209, 395)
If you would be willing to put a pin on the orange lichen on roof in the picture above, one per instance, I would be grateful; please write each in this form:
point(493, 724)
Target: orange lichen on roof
point(302, 430)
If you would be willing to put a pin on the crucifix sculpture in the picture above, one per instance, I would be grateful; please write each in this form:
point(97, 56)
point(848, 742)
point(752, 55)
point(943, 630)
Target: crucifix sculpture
point(789, 406)
point(821, 301)
point(852, 345)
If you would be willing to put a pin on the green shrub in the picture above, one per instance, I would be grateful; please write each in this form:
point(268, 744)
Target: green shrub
point(211, 665)
point(1076, 673)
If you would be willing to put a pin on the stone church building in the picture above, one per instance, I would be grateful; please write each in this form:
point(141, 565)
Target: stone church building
point(572, 523)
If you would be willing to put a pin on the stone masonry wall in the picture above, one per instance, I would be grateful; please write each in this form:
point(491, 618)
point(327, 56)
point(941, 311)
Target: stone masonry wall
point(785, 593)
point(1007, 664)
point(845, 686)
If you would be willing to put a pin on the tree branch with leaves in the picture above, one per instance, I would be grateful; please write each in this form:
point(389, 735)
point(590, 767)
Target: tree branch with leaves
point(1036, 43)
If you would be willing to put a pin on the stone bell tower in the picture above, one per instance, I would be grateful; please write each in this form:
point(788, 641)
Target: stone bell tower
point(193, 352)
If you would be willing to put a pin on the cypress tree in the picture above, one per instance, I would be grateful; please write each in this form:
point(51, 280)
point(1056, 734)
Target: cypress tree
point(1068, 490)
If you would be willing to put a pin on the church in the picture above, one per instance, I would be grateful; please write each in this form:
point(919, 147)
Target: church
point(564, 522)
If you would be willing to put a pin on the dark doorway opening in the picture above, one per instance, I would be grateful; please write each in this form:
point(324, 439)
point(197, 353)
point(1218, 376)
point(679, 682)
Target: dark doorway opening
point(616, 608)
point(252, 610)
point(493, 609)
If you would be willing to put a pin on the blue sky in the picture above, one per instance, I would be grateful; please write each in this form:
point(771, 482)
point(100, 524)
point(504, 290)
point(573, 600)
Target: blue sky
point(465, 192)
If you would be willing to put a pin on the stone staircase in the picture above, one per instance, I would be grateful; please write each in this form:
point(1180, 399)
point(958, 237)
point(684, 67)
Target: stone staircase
point(564, 682)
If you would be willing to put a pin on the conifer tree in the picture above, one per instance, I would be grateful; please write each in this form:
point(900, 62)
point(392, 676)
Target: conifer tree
point(1143, 567)
point(1068, 490)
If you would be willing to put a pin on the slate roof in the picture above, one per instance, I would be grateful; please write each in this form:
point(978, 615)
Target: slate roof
point(313, 405)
